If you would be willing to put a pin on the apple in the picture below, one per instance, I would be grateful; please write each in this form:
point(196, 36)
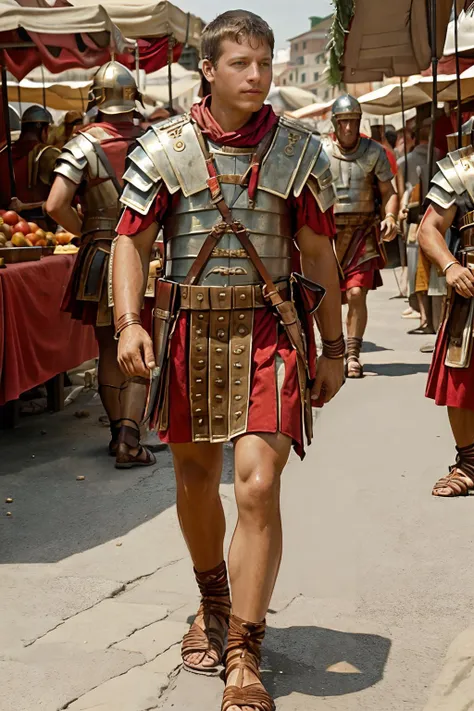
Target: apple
point(6, 230)
point(21, 226)
point(31, 237)
point(2, 212)
point(33, 226)
point(40, 243)
point(18, 239)
point(40, 234)
point(10, 217)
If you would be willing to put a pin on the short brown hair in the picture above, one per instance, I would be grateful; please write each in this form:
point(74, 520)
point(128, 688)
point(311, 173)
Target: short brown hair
point(237, 26)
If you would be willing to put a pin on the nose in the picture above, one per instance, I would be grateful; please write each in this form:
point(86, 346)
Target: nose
point(254, 72)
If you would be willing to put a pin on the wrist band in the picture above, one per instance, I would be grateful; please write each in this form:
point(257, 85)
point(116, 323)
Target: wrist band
point(390, 214)
point(334, 349)
point(450, 264)
point(128, 319)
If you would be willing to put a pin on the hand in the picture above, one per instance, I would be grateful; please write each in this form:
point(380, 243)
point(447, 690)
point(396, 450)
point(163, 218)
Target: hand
point(135, 352)
point(388, 229)
point(403, 214)
point(16, 205)
point(329, 378)
point(462, 279)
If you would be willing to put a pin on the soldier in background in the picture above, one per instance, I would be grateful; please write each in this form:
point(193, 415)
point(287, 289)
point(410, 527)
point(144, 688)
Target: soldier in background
point(33, 162)
point(363, 181)
point(90, 169)
point(451, 376)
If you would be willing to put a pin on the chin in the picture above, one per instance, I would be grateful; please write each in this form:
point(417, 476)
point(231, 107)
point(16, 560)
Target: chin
point(252, 103)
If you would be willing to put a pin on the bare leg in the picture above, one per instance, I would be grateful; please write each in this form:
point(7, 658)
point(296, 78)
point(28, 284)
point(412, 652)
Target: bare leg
point(462, 426)
point(123, 400)
point(256, 549)
point(198, 469)
point(357, 314)
point(357, 317)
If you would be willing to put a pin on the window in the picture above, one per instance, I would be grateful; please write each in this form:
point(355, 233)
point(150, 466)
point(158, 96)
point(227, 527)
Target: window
point(300, 60)
point(291, 76)
point(326, 95)
point(303, 78)
point(295, 46)
point(315, 76)
point(304, 45)
point(284, 82)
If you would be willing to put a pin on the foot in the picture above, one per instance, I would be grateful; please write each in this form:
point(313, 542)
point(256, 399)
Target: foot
point(210, 659)
point(457, 483)
point(353, 368)
point(127, 457)
point(250, 679)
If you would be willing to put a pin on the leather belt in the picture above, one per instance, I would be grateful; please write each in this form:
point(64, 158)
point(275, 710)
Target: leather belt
point(466, 222)
point(227, 298)
point(352, 220)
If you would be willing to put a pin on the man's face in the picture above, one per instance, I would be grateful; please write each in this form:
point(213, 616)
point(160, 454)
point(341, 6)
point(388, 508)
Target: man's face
point(347, 131)
point(242, 77)
point(45, 133)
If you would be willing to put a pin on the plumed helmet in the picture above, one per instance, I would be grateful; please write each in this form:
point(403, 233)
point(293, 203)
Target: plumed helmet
point(36, 114)
point(114, 89)
point(346, 106)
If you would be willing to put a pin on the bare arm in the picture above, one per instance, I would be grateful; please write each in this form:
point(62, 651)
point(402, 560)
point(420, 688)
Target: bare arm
point(390, 208)
point(431, 234)
point(319, 264)
point(59, 205)
point(129, 278)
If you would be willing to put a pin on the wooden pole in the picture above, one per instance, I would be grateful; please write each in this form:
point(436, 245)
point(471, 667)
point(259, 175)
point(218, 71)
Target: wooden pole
point(458, 73)
point(434, 68)
point(405, 151)
point(6, 118)
point(170, 72)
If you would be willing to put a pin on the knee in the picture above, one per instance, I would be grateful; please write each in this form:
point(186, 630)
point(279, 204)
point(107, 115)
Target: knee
point(258, 494)
point(196, 480)
point(355, 296)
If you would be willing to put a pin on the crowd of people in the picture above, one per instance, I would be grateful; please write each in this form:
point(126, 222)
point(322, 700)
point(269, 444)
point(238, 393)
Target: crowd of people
point(267, 230)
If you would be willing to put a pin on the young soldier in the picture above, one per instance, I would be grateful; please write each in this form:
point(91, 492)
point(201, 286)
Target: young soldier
point(233, 186)
point(362, 173)
point(451, 377)
point(90, 166)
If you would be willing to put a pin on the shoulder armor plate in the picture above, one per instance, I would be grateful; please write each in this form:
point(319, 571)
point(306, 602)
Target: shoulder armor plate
point(458, 169)
point(71, 162)
point(141, 181)
point(285, 157)
point(441, 197)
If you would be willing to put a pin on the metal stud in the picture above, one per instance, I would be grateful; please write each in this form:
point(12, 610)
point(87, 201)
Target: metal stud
point(241, 317)
point(200, 297)
point(221, 334)
point(219, 350)
point(221, 318)
point(243, 297)
point(219, 381)
point(198, 395)
point(198, 331)
point(237, 365)
point(199, 349)
point(200, 421)
point(222, 295)
point(238, 397)
point(198, 380)
point(219, 417)
point(219, 398)
point(238, 414)
point(242, 330)
point(238, 351)
point(198, 411)
point(237, 382)
point(200, 362)
point(218, 367)
point(200, 316)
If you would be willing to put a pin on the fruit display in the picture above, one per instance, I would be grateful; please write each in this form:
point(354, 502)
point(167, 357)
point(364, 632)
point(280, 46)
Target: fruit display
point(15, 232)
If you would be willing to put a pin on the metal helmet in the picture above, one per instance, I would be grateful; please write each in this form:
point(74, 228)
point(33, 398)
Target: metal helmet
point(347, 107)
point(114, 90)
point(36, 114)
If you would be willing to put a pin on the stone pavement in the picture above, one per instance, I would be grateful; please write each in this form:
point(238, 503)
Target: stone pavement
point(96, 589)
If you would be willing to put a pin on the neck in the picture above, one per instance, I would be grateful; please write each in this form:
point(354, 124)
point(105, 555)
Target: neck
point(117, 118)
point(228, 119)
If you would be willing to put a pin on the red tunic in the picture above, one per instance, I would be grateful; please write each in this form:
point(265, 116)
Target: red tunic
point(269, 410)
point(450, 387)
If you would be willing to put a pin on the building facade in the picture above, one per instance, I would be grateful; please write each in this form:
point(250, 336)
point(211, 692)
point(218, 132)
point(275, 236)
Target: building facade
point(309, 56)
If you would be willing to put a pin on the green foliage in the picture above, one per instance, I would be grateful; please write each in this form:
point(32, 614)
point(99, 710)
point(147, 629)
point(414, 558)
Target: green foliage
point(344, 12)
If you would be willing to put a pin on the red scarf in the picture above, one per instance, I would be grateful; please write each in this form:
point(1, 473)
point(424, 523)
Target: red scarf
point(248, 136)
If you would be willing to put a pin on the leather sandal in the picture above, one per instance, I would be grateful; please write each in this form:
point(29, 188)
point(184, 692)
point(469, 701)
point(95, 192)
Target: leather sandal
point(244, 653)
point(115, 432)
point(356, 370)
point(460, 480)
point(210, 642)
point(128, 439)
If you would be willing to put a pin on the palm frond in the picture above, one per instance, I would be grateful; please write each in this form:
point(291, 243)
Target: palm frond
point(344, 12)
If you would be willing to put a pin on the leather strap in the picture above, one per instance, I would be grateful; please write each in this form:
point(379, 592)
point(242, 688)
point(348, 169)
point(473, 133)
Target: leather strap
point(239, 230)
point(101, 154)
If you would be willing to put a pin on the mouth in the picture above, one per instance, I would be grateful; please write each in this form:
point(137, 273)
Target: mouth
point(254, 92)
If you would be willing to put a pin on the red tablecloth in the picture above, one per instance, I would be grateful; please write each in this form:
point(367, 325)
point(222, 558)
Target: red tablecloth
point(37, 340)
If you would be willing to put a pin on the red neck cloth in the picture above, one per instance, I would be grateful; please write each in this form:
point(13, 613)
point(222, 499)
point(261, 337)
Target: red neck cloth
point(248, 136)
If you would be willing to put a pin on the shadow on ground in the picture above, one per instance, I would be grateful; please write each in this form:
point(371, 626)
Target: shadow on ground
point(322, 662)
point(396, 370)
point(369, 347)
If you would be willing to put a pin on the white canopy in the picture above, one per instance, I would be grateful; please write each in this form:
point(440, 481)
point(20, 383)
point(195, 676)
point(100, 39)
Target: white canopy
point(63, 96)
point(465, 33)
point(91, 19)
point(142, 18)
